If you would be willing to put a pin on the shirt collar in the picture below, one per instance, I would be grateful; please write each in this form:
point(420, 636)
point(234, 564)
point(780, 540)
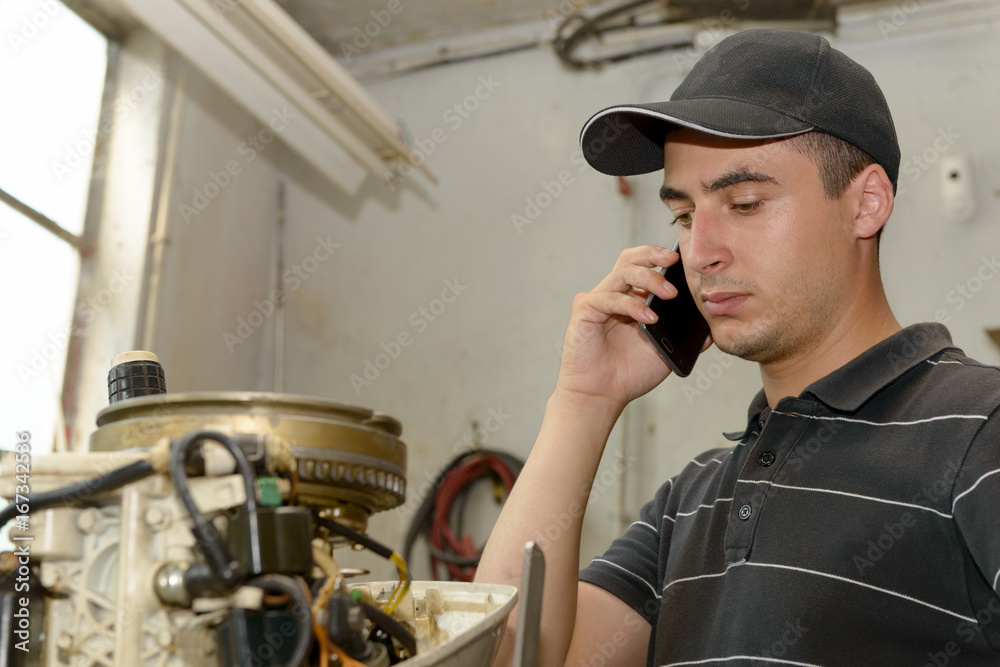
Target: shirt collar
point(850, 386)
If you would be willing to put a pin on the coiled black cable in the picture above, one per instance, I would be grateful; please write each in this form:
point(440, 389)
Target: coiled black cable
point(229, 572)
point(421, 523)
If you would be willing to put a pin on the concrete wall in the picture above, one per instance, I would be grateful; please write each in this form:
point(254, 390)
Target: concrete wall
point(493, 349)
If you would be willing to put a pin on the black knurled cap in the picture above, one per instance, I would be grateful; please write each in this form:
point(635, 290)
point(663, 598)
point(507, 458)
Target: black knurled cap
point(130, 379)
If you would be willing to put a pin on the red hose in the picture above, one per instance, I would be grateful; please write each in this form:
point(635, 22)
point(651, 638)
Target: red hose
point(456, 482)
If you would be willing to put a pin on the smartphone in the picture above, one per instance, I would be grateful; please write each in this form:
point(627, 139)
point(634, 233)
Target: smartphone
point(680, 332)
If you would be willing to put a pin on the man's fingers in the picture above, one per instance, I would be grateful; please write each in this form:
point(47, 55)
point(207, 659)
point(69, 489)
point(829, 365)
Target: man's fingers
point(607, 304)
point(633, 270)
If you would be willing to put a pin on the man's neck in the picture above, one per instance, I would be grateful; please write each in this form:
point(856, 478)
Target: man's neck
point(854, 334)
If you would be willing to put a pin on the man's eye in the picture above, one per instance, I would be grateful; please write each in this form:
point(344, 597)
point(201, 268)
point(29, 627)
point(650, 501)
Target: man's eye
point(683, 218)
point(748, 208)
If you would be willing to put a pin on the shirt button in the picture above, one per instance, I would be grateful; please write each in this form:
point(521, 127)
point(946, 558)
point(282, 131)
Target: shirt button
point(745, 512)
point(766, 459)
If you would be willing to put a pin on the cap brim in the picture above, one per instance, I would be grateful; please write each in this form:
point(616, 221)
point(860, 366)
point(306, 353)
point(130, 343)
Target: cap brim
point(626, 140)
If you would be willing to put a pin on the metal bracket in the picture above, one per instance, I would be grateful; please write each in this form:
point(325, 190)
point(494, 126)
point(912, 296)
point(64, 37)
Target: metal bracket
point(529, 617)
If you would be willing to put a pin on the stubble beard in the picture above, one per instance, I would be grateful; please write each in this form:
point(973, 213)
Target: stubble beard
point(785, 330)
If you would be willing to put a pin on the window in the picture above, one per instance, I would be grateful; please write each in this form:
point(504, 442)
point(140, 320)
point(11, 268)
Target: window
point(53, 66)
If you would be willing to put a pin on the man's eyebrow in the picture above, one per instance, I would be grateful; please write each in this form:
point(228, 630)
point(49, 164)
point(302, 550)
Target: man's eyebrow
point(670, 193)
point(738, 175)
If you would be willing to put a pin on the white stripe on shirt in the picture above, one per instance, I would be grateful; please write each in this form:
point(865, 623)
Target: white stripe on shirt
point(699, 463)
point(705, 576)
point(871, 423)
point(847, 493)
point(985, 475)
point(651, 587)
point(744, 657)
point(863, 584)
point(695, 510)
point(829, 576)
point(647, 525)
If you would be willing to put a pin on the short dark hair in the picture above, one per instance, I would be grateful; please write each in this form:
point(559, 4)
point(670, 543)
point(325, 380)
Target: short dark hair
point(838, 161)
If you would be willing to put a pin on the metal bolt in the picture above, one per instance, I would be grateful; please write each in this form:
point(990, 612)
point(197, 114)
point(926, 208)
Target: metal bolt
point(165, 639)
point(52, 576)
point(86, 521)
point(156, 518)
point(65, 641)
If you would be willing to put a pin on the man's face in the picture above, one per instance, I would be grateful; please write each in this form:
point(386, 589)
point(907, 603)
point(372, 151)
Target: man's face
point(768, 257)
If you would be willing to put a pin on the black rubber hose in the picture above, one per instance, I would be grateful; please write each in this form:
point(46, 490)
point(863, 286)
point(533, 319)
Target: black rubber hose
point(229, 571)
point(391, 626)
point(355, 536)
point(81, 491)
point(300, 610)
point(444, 557)
point(564, 46)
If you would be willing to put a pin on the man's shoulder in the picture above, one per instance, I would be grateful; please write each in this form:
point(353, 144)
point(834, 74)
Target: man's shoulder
point(954, 376)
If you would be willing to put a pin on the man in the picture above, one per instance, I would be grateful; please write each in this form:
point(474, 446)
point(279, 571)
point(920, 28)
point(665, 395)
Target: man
point(854, 521)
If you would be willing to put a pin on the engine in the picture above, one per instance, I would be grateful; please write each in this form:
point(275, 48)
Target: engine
point(203, 529)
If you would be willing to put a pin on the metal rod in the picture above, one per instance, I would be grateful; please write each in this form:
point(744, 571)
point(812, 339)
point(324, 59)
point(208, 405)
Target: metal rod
point(158, 239)
point(529, 617)
point(279, 306)
point(46, 223)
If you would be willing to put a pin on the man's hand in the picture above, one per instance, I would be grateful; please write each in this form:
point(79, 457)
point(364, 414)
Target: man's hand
point(605, 354)
point(606, 362)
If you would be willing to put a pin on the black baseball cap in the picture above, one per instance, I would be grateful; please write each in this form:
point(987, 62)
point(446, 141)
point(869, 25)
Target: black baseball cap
point(756, 84)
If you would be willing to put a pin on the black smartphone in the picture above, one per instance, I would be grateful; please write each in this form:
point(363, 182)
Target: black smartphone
point(680, 332)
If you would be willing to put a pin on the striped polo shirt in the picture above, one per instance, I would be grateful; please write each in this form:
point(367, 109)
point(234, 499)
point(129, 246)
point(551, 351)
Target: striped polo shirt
point(856, 524)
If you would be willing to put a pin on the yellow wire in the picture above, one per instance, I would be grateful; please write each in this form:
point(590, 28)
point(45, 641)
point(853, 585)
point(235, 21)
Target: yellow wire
point(404, 584)
point(400, 591)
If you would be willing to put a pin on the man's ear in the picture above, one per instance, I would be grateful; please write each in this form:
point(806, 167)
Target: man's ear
point(873, 200)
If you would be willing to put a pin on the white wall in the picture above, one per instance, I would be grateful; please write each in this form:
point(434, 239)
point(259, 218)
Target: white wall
point(495, 347)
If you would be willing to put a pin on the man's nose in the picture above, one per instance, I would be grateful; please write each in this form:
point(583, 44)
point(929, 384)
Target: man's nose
point(706, 249)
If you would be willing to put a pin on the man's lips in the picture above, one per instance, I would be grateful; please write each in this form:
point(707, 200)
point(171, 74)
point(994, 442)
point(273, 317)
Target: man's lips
point(722, 303)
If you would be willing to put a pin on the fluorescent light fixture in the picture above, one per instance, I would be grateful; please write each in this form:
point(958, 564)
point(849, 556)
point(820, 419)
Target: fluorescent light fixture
point(255, 52)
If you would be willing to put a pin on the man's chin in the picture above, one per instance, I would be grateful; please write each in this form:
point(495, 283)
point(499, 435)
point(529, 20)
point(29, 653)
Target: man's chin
point(751, 346)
